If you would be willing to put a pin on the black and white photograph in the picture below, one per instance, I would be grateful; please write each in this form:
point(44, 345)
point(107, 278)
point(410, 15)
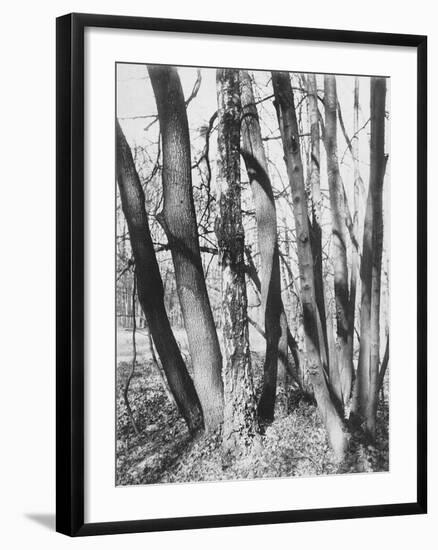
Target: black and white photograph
point(218, 275)
point(252, 274)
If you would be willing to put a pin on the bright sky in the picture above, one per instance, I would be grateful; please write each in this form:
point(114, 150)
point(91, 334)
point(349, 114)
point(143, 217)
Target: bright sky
point(135, 99)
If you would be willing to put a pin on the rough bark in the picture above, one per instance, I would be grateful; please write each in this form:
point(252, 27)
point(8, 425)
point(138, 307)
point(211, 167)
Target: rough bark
point(339, 241)
point(377, 172)
point(240, 421)
point(253, 153)
point(284, 102)
point(150, 286)
point(178, 219)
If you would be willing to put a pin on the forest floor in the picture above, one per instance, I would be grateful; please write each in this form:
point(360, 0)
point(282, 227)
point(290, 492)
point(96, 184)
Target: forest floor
point(163, 451)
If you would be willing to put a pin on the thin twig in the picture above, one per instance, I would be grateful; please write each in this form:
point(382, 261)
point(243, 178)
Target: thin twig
point(127, 268)
point(134, 362)
point(196, 87)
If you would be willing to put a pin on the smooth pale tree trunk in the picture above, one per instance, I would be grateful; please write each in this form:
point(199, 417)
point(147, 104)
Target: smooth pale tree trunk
point(367, 380)
point(240, 417)
point(361, 387)
point(356, 191)
point(339, 238)
point(150, 286)
point(253, 153)
point(377, 173)
point(316, 233)
point(178, 219)
point(284, 102)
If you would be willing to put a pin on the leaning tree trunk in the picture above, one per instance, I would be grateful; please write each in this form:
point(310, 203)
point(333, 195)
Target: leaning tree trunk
point(284, 102)
point(339, 240)
point(253, 153)
point(179, 222)
point(240, 423)
point(150, 286)
point(377, 172)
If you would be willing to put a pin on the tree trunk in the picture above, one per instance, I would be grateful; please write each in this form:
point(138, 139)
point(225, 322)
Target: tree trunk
point(377, 172)
point(150, 286)
point(178, 219)
point(366, 389)
point(360, 395)
point(240, 423)
point(355, 251)
point(284, 102)
point(290, 340)
point(253, 153)
point(337, 207)
point(316, 233)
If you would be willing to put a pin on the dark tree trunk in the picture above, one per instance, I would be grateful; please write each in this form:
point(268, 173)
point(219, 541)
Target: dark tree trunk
point(240, 423)
point(290, 340)
point(179, 222)
point(253, 153)
point(150, 286)
point(377, 172)
point(337, 207)
point(289, 131)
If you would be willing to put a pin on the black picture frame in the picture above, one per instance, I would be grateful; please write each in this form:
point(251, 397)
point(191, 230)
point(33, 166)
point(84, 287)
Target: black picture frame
point(70, 273)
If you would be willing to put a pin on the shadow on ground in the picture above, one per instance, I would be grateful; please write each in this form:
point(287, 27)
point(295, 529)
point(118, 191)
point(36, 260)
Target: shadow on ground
point(46, 520)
